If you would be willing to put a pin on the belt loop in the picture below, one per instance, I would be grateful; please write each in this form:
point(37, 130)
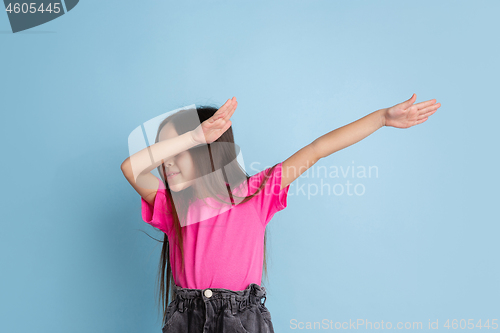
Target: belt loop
point(181, 305)
point(233, 305)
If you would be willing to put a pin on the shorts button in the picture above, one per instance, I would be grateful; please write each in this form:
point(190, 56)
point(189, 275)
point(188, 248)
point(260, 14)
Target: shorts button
point(208, 293)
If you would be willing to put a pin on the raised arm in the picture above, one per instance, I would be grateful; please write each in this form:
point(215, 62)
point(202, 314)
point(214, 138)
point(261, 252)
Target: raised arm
point(401, 115)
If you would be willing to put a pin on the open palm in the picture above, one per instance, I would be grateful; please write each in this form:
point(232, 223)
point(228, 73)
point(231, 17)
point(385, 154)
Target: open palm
point(212, 128)
point(404, 115)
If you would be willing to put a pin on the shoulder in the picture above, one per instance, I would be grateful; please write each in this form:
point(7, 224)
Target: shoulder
point(270, 175)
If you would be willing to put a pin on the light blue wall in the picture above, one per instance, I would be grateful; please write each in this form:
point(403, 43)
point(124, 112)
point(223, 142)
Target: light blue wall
point(420, 244)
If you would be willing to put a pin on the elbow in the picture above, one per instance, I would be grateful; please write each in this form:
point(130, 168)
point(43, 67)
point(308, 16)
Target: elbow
point(125, 167)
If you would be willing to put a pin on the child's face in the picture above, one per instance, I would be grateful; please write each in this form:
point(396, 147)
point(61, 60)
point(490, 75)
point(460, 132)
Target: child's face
point(182, 163)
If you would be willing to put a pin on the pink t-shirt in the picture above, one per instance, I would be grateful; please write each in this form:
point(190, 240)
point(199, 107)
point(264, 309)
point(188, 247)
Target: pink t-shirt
point(226, 250)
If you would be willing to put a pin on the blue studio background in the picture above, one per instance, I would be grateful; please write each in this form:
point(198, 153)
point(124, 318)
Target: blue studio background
point(419, 243)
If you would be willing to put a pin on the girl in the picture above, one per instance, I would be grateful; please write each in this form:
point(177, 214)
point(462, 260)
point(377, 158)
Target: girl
point(214, 215)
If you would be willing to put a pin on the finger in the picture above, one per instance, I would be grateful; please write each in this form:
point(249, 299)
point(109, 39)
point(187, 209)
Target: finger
point(231, 111)
point(426, 114)
point(427, 109)
point(409, 102)
point(220, 113)
point(213, 119)
point(426, 103)
point(220, 123)
point(215, 123)
point(224, 108)
point(230, 107)
point(226, 126)
point(421, 121)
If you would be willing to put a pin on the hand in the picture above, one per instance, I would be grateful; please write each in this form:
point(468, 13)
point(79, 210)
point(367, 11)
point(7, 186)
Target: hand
point(406, 114)
point(212, 128)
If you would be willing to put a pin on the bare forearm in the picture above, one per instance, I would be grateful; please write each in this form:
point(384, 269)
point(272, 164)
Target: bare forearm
point(151, 157)
point(349, 134)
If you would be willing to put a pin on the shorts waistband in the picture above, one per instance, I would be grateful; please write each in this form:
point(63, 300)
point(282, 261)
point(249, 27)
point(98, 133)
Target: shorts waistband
point(236, 299)
point(253, 291)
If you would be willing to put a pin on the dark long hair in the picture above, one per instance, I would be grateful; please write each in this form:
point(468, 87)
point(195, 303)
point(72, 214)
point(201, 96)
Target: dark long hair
point(218, 156)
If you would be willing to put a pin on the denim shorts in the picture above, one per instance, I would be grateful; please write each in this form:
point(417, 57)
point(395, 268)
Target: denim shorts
point(215, 310)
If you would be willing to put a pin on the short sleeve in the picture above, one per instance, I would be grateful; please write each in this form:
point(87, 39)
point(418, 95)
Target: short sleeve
point(157, 215)
point(271, 199)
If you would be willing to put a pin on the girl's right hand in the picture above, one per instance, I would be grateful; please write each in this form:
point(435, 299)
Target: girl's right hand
point(212, 128)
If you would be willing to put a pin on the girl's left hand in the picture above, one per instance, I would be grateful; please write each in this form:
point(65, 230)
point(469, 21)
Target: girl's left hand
point(406, 114)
